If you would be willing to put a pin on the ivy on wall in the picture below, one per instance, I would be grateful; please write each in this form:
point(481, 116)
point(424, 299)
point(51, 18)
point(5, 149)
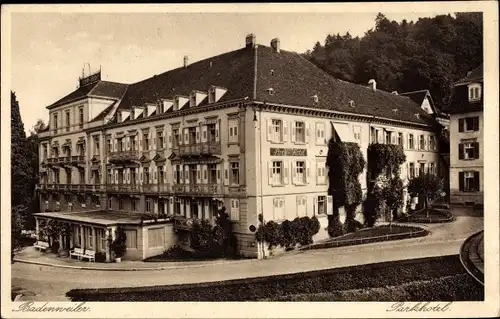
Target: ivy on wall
point(345, 163)
point(385, 158)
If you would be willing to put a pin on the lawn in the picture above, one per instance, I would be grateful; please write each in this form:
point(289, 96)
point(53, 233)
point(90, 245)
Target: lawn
point(433, 215)
point(377, 231)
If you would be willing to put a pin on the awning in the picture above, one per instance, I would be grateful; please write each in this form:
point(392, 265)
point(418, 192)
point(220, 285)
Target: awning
point(343, 132)
point(104, 218)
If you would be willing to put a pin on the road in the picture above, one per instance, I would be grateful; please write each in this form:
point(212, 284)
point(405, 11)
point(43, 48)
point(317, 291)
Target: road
point(51, 283)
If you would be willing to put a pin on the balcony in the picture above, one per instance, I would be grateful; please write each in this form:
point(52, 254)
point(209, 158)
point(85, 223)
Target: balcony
point(123, 188)
point(198, 189)
point(78, 159)
point(200, 149)
point(156, 188)
point(123, 156)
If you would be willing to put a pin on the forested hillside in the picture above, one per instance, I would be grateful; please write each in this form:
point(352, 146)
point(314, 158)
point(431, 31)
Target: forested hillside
point(431, 53)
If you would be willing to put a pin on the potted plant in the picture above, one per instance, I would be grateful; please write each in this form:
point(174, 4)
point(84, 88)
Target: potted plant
point(119, 245)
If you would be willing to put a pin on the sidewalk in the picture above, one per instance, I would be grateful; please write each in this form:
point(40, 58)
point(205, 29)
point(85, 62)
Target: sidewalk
point(30, 255)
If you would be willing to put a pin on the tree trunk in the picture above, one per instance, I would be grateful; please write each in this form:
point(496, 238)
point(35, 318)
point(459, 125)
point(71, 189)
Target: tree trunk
point(426, 205)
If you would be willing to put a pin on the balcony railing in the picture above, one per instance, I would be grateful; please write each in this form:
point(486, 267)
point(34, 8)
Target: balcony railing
point(210, 148)
point(181, 222)
point(123, 156)
point(72, 187)
point(198, 189)
point(78, 159)
point(123, 188)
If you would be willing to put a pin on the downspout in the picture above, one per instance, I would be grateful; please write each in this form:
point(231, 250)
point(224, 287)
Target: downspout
point(261, 179)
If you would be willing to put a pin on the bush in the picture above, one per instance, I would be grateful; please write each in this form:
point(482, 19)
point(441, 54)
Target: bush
point(100, 257)
point(289, 233)
point(250, 289)
point(119, 244)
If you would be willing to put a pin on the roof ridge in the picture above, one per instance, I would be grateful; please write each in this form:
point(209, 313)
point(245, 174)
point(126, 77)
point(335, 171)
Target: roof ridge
point(417, 91)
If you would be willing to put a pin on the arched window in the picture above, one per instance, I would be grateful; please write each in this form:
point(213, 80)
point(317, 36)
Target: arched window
point(474, 92)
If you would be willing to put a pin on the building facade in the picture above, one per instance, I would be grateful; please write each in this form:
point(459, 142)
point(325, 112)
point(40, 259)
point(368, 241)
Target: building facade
point(246, 130)
point(466, 139)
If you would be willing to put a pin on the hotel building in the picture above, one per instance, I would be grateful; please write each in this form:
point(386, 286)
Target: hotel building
point(246, 130)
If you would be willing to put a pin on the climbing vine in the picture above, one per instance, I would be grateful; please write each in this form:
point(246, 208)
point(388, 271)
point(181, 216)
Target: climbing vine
point(385, 157)
point(345, 163)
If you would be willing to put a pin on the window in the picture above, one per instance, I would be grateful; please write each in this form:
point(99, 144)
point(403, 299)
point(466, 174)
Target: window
point(320, 172)
point(146, 175)
point(411, 142)
point(90, 238)
point(110, 203)
point(95, 200)
point(421, 143)
point(110, 176)
point(120, 203)
point(175, 138)
point(78, 236)
point(44, 151)
point(474, 92)
point(300, 132)
point(211, 95)
point(156, 237)
point(421, 170)
point(235, 173)
point(145, 141)
point(80, 117)
point(301, 202)
point(96, 145)
point(277, 131)
point(133, 143)
point(388, 137)
point(103, 239)
point(276, 173)
point(119, 143)
point(233, 130)
point(133, 204)
point(469, 181)
point(131, 241)
point(82, 176)
point(159, 140)
point(299, 174)
point(468, 124)
point(432, 143)
point(235, 209)
point(357, 133)
point(279, 208)
point(212, 176)
point(432, 168)
point(321, 209)
point(411, 170)
point(55, 121)
point(109, 146)
point(149, 205)
point(400, 139)
point(67, 121)
point(161, 174)
point(468, 150)
point(320, 133)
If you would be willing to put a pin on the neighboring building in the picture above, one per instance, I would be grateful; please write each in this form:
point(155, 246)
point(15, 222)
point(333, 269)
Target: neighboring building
point(466, 139)
point(246, 130)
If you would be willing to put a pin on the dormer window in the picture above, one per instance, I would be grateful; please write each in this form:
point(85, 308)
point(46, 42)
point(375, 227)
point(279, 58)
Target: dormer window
point(119, 117)
point(192, 99)
point(211, 95)
point(315, 98)
point(270, 91)
point(475, 92)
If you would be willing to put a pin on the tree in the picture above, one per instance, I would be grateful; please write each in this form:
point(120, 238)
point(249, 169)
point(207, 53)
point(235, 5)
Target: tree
point(393, 195)
point(427, 185)
point(119, 245)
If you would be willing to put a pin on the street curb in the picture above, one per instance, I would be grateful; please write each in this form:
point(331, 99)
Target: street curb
point(127, 269)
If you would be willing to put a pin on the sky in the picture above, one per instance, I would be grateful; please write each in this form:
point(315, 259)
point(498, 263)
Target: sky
point(49, 50)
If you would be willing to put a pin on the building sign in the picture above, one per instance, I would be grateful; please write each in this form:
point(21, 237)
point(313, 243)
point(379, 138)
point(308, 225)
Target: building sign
point(288, 151)
point(90, 79)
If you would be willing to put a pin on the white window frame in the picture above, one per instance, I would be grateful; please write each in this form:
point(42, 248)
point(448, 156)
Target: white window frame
point(324, 201)
point(300, 132)
point(411, 141)
point(235, 209)
point(411, 170)
point(277, 130)
point(320, 134)
point(469, 146)
point(279, 208)
point(277, 172)
point(474, 92)
point(233, 130)
point(300, 177)
point(356, 130)
point(400, 138)
point(234, 167)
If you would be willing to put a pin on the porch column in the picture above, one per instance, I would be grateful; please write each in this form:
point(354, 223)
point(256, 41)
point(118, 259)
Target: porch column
point(94, 241)
point(71, 237)
point(109, 232)
point(82, 237)
point(37, 228)
point(200, 209)
point(187, 203)
point(61, 244)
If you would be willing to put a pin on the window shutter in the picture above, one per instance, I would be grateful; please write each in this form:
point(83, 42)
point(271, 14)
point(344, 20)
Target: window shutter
point(461, 151)
point(198, 174)
point(475, 123)
point(315, 205)
point(204, 134)
point(294, 172)
point(181, 174)
point(186, 174)
point(168, 136)
point(218, 174)
point(226, 173)
point(293, 132)
point(285, 131)
point(174, 174)
point(329, 205)
point(461, 180)
point(476, 150)
point(217, 129)
point(270, 172)
point(308, 132)
point(116, 177)
point(155, 174)
point(197, 134)
point(476, 181)
point(461, 125)
point(205, 173)
point(286, 172)
point(186, 136)
point(269, 130)
point(308, 171)
point(408, 141)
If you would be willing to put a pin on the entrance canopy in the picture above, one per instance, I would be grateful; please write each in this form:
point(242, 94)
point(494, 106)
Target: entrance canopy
point(104, 218)
point(343, 132)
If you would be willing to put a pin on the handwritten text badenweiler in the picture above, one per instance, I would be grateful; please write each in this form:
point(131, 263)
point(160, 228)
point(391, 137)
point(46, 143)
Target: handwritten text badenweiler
point(30, 306)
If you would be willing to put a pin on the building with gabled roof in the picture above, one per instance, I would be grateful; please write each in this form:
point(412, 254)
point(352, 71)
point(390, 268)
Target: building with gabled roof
point(246, 130)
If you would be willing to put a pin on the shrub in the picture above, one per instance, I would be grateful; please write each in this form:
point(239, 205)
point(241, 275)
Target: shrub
point(100, 257)
point(119, 245)
point(288, 233)
point(428, 185)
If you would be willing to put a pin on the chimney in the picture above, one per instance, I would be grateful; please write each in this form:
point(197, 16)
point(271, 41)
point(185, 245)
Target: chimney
point(275, 44)
point(186, 61)
point(250, 41)
point(395, 92)
point(373, 84)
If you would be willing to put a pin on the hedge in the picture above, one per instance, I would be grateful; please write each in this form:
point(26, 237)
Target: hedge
point(435, 216)
point(251, 289)
point(459, 287)
point(414, 233)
